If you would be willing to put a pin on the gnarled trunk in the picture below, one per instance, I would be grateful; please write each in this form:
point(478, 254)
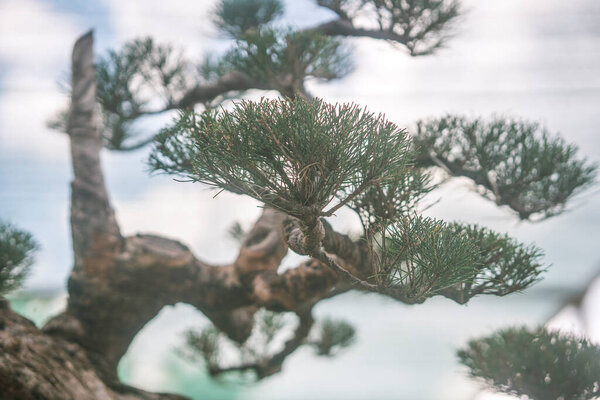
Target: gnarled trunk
point(118, 284)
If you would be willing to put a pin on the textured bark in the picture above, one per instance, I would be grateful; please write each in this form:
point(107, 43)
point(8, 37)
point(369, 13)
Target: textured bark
point(118, 284)
point(92, 218)
point(34, 365)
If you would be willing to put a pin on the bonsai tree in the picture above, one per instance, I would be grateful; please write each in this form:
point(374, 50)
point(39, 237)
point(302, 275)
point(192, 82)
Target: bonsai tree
point(304, 160)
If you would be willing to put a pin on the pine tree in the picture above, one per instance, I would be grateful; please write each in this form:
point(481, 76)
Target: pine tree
point(303, 159)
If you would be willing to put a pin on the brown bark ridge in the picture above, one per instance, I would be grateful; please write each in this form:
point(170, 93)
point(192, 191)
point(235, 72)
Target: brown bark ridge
point(118, 284)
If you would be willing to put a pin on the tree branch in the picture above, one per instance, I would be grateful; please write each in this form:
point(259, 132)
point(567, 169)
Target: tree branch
point(271, 365)
point(456, 169)
point(343, 27)
point(232, 81)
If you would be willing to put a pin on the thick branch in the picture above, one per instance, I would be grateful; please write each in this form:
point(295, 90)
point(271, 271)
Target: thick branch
point(308, 283)
point(232, 81)
point(264, 246)
point(117, 293)
point(237, 81)
point(273, 364)
point(341, 254)
point(343, 27)
point(354, 253)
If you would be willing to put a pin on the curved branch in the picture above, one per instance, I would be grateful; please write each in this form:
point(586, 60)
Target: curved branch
point(232, 81)
point(344, 27)
point(341, 254)
point(457, 169)
point(354, 253)
point(272, 365)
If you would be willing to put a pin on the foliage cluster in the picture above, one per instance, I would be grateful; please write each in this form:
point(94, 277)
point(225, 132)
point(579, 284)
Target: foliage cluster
point(540, 364)
point(17, 248)
point(264, 351)
point(296, 156)
point(518, 163)
point(307, 159)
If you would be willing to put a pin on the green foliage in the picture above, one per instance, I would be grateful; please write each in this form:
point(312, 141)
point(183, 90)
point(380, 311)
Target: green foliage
point(422, 26)
point(236, 232)
point(236, 17)
point(263, 353)
point(16, 256)
point(425, 24)
point(203, 344)
point(283, 59)
point(333, 335)
point(59, 121)
point(140, 74)
point(504, 266)
point(221, 355)
point(145, 78)
point(541, 365)
point(268, 325)
point(420, 257)
point(294, 155)
point(387, 202)
point(518, 163)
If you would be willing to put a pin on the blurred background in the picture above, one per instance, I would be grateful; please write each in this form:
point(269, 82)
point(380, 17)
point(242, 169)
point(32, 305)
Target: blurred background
point(538, 59)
